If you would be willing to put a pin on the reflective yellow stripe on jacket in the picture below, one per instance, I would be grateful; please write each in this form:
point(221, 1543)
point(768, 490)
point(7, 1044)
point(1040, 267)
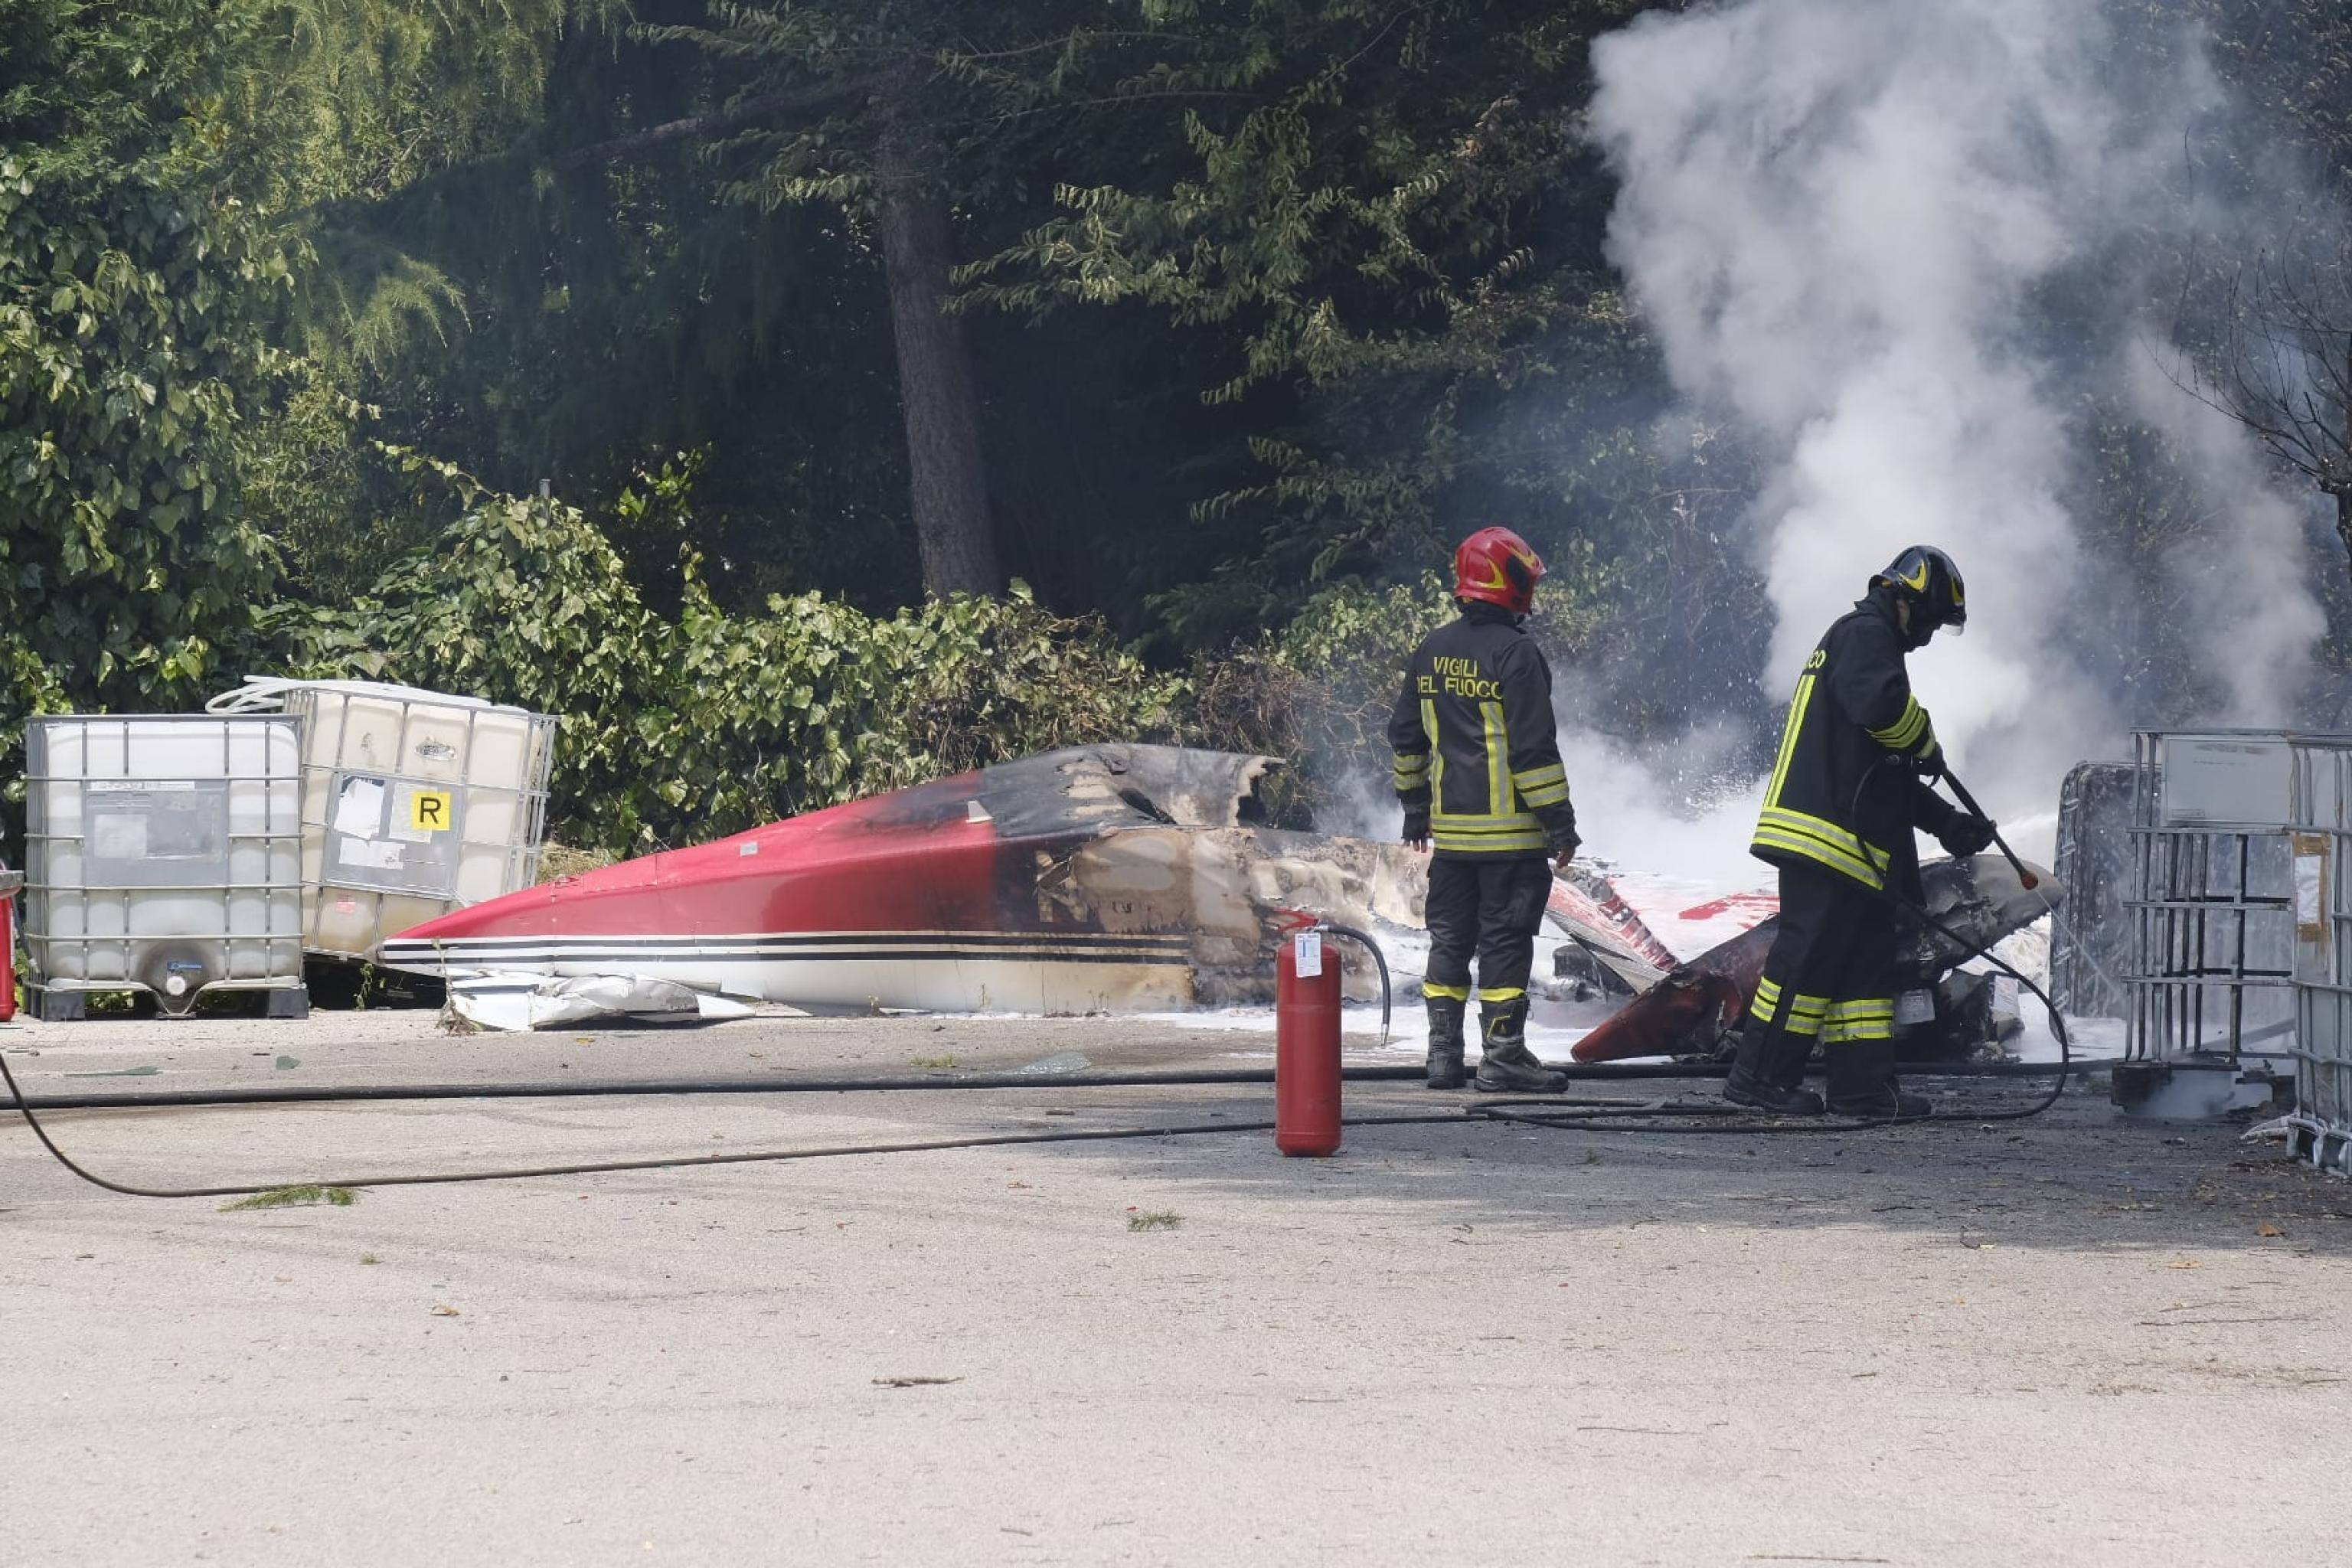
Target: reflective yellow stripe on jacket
point(1487, 836)
point(1543, 786)
point(1505, 826)
point(1817, 838)
point(1908, 731)
point(1782, 831)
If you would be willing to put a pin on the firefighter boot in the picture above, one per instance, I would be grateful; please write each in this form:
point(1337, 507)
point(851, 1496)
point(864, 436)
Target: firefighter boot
point(1446, 1070)
point(1506, 1064)
point(1768, 1072)
point(1862, 1083)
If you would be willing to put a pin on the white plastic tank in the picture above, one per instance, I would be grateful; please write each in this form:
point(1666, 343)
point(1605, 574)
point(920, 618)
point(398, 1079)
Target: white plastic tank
point(162, 854)
point(414, 803)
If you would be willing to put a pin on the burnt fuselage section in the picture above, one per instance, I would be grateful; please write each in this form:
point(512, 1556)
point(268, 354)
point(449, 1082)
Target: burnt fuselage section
point(1099, 878)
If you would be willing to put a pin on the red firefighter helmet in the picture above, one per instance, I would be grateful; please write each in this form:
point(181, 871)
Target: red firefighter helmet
point(1497, 566)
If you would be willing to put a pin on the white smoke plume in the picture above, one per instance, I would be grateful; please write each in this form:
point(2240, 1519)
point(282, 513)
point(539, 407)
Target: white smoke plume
point(1833, 215)
point(1632, 821)
point(2246, 578)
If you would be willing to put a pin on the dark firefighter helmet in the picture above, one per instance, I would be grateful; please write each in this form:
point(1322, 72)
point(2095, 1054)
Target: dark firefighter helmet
point(1499, 567)
point(1925, 577)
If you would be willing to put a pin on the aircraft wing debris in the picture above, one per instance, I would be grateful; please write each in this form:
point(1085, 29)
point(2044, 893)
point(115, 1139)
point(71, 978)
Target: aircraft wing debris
point(1583, 907)
point(1697, 1004)
point(528, 1001)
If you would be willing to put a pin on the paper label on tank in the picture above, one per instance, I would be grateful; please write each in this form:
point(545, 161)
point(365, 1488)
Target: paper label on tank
point(1307, 954)
point(359, 808)
point(369, 854)
point(2310, 887)
point(1915, 1007)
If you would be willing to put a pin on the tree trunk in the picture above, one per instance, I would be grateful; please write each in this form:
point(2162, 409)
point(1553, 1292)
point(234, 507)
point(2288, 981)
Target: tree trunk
point(936, 389)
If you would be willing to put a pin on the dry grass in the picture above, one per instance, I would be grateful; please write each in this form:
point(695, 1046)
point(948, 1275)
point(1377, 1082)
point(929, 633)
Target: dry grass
point(299, 1195)
point(560, 860)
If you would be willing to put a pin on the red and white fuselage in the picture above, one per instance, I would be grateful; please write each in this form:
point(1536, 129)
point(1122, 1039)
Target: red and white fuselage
point(1113, 879)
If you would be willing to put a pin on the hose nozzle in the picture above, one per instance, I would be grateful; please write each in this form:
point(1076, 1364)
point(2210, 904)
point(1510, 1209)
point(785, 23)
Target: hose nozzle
point(2025, 875)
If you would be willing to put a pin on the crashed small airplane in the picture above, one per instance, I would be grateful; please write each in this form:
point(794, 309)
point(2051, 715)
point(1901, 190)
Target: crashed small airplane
point(1110, 878)
point(1113, 879)
point(1690, 1009)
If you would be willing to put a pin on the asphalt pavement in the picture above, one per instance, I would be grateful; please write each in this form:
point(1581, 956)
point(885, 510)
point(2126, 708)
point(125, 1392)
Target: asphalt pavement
point(2075, 1339)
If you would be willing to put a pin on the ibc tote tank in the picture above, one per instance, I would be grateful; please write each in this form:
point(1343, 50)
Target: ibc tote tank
point(414, 803)
point(162, 854)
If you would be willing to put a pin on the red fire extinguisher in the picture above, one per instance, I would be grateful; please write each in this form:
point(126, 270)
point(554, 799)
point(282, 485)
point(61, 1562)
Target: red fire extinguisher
point(10, 881)
point(1306, 1040)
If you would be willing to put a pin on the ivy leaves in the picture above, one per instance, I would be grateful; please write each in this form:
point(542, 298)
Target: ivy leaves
point(134, 289)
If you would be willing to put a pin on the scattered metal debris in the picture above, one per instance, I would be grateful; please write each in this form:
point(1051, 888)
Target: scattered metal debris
point(1690, 1011)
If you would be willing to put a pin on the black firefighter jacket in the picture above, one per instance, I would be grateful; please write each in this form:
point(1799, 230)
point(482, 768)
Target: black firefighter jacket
point(1475, 742)
point(1845, 793)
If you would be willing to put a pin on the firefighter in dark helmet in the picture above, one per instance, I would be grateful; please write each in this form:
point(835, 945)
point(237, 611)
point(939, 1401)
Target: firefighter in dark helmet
point(1850, 787)
point(1478, 770)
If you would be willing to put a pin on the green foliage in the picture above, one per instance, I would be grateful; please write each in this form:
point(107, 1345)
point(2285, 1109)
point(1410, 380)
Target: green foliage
point(341, 104)
point(1276, 300)
point(1366, 211)
point(521, 600)
point(1379, 157)
point(135, 283)
point(677, 731)
point(503, 299)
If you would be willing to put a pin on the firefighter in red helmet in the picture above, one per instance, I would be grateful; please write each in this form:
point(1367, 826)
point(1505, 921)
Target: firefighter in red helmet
point(1478, 771)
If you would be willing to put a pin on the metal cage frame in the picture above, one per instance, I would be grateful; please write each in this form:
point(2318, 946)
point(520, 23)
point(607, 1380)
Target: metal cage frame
point(2228, 911)
point(42, 945)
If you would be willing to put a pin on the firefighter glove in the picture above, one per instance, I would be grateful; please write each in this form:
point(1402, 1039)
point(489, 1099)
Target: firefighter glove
point(1416, 825)
point(1965, 834)
point(1560, 830)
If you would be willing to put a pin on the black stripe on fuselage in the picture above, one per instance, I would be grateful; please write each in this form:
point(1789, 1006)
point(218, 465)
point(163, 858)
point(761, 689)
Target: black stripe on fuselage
point(786, 941)
point(451, 954)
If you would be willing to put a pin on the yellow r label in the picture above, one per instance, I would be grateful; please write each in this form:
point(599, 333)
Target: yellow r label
point(428, 810)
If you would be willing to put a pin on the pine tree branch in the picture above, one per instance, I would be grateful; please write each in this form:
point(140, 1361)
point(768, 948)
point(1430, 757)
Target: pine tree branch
point(700, 127)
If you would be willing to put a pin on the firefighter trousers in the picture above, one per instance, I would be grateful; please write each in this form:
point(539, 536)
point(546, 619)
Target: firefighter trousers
point(1490, 909)
point(1832, 967)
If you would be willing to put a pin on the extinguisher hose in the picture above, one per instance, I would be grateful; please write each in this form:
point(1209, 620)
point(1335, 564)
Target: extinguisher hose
point(1380, 962)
